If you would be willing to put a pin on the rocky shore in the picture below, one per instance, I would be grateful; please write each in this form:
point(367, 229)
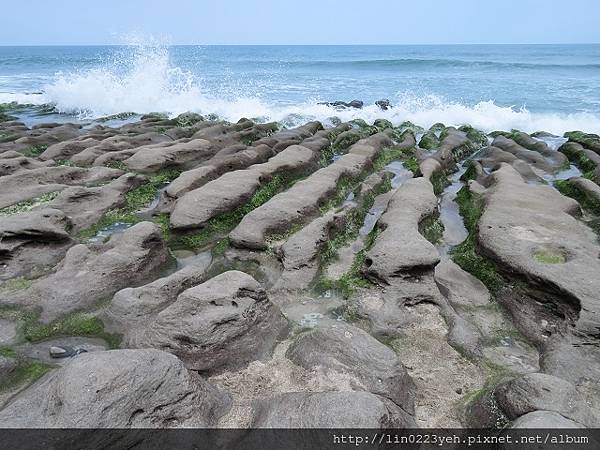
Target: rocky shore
point(189, 272)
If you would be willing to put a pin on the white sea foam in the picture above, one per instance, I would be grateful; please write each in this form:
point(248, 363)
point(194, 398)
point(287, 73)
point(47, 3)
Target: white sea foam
point(144, 80)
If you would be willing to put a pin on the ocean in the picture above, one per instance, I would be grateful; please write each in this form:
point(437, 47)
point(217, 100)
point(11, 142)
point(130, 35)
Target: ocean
point(554, 88)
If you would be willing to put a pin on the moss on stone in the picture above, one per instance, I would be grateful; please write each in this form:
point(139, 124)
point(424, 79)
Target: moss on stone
point(15, 284)
point(432, 229)
point(348, 283)
point(76, 324)
point(549, 256)
point(573, 152)
point(588, 140)
point(220, 247)
point(219, 226)
point(567, 188)
point(28, 205)
point(465, 254)
point(440, 181)
point(135, 200)
point(474, 135)
point(35, 150)
point(26, 371)
point(412, 164)
point(429, 141)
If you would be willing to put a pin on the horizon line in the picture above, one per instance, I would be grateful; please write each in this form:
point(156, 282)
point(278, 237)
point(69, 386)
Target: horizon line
point(309, 45)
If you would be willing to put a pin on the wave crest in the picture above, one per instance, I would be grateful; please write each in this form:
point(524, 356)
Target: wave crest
point(142, 79)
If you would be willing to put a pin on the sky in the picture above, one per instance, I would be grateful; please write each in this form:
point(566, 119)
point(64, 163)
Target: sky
point(205, 22)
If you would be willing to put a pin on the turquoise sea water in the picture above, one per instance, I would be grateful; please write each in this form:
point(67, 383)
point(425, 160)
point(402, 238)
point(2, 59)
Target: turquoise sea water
point(551, 87)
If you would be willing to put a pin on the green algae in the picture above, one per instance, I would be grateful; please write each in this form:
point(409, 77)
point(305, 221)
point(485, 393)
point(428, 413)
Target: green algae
point(28, 205)
point(465, 254)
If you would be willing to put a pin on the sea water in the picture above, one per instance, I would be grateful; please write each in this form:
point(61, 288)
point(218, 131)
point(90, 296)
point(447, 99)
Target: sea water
point(554, 88)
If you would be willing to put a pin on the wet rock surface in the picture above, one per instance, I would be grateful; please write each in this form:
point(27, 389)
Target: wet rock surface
point(190, 272)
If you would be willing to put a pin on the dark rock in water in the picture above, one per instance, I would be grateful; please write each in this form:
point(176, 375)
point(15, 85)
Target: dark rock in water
point(347, 349)
point(384, 104)
point(65, 352)
point(224, 323)
point(117, 389)
point(329, 410)
point(358, 104)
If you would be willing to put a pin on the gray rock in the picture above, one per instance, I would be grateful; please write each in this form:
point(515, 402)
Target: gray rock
point(85, 206)
point(131, 309)
point(347, 349)
point(30, 184)
point(300, 204)
point(32, 242)
point(117, 389)
point(329, 410)
point(537, 391)
point(460, 287)
point(400, 247)
point(539, 161)
point(234, 189)
point(90, 274)
point(222, 324)
point(544, 419)
point(530, 230)
point(9, 166)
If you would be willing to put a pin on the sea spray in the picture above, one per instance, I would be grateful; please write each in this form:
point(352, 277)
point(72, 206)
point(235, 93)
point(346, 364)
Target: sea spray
point(144, 78)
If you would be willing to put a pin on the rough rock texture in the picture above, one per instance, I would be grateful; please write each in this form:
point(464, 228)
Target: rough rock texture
point(132, 308)
point(90, 274)
point(460, 287)
point(88, 156)
point(183, 155)
point(547, 160)
point(9, 166)
point(591, 189)
point(491, 157)
point(233, 189)
point(301, 202)
point(329, 410)
point(344, 348)
point(221, 324)
point(32, 242)
point(301, 253)
point(29, 184)
point(537, 391)
point(117, 389)
point(530, 230)
point(400, 247)
point(544, 419)
point(85, 206)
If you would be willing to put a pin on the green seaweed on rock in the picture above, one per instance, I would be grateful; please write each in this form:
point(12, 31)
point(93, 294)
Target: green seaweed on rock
point(135, 200)
point(76, 324)
point(28, 205)
point(465, 254)
point(567, 188)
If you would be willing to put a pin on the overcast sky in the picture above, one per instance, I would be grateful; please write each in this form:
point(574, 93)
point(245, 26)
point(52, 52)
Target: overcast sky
point(64, 22)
